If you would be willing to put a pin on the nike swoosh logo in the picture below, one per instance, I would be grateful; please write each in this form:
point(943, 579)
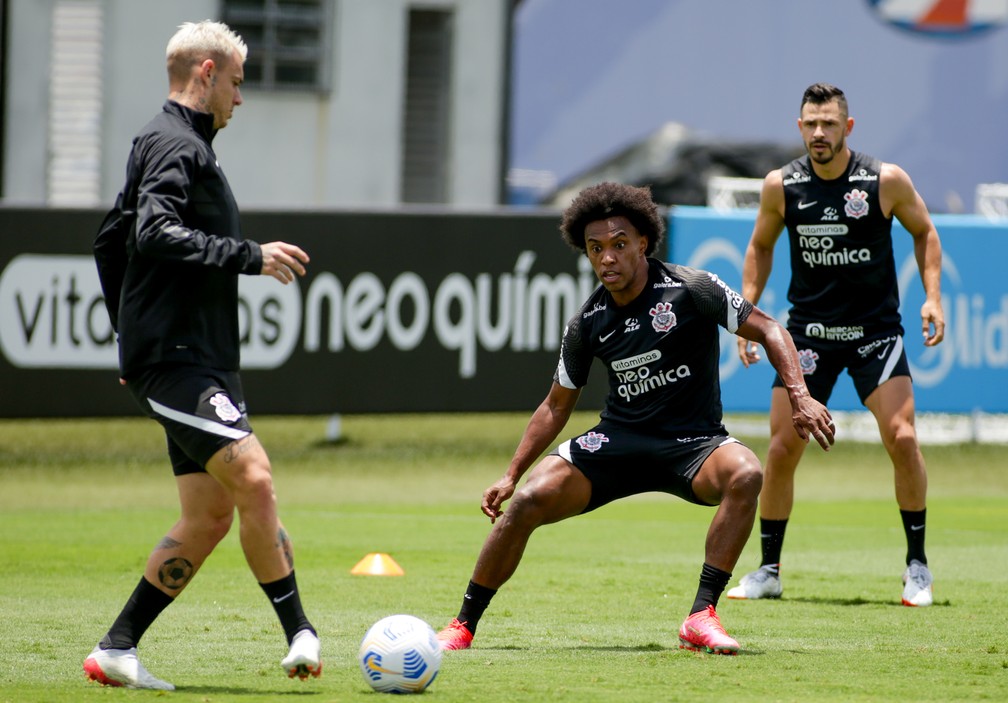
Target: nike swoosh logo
point(916, 528)
point(281, 599)
point(604, 337)
point(802, 206)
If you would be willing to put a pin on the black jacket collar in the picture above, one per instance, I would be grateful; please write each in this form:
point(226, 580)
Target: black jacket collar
point(201, 122)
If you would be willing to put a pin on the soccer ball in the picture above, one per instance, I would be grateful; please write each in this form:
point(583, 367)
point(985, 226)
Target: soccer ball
point(400, 654)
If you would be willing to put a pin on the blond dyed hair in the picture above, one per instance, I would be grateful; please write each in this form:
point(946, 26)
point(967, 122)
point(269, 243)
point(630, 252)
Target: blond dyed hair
point(195, 42)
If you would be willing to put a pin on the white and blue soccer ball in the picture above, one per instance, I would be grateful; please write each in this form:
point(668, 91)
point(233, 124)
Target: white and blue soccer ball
point(400, 654)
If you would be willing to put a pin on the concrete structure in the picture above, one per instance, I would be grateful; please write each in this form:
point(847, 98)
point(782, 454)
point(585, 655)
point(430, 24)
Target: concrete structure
point(82, 76)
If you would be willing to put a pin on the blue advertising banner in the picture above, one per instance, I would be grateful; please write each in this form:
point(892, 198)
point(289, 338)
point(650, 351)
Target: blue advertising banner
point(968, 371)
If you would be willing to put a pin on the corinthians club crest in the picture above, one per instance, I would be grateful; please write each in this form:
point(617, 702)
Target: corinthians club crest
point(857, 204)
point(662, 317)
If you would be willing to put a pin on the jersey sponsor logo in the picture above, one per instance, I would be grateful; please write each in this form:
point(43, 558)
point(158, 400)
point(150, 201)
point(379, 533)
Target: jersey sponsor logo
point(797, 178)
point(734, 299)
point(842, 333)
point(597, 308)
point(632, 325)
point(842, 257)
point(224, 408)
point(863, 175)
point(604, 337)
point(857, 204)
point(634, 362)
point(804, 205)
point(807, 361)
point(822, 230)
point(830, 214)
point(662, 317)
point(639, 379)
point(668, 283)
point(817, 246)
point(592, 441)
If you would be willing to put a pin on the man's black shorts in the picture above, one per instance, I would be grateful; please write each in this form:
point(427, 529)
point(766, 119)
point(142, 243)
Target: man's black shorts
point(621, 463)
point(202, 411)
point(869, 362)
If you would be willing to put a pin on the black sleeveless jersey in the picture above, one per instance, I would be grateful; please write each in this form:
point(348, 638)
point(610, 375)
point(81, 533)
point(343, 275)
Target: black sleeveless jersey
point(660, 352)
point(843, 273)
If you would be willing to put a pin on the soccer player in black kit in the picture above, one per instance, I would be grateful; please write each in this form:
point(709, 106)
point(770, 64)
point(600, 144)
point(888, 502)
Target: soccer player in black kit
point(655, 327)
point(169, 254)
point(838, 206)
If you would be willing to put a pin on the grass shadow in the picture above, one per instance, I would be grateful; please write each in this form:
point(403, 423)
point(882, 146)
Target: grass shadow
point(817, 600)
point(620, 649)
point(240, 691)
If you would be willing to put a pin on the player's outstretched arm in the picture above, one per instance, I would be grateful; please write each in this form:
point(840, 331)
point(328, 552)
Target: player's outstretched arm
point(810, 417)
point(283, 261)
point(543, 427)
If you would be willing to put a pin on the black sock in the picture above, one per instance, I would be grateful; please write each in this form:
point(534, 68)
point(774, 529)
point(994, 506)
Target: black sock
point(286, 600)
point(913, 525)
point(712, 585)
point(474, 603)
point(771, 541)
point(141, 609)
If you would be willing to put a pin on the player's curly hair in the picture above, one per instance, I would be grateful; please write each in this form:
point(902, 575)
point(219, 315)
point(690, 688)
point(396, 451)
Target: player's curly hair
point(605, 200)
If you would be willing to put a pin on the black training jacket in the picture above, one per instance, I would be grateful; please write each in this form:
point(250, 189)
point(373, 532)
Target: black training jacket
point(170, 250)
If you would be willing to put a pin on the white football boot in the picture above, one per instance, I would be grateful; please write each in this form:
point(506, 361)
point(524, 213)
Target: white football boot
point(304, 657)
point(917, 582)
point(121, 667)
point(762, 583)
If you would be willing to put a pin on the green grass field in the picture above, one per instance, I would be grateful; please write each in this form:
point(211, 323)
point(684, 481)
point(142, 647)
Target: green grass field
point(591, 615)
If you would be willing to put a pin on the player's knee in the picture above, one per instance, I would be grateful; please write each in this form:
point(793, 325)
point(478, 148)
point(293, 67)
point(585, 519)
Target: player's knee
point(216, 527)
point(526, 510)
point(902, 443)
point(212, 525)
point(747, 479)
point(785, 447)
point(254, 487)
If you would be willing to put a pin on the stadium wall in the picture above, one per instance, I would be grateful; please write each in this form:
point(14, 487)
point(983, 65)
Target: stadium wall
point(417, 311)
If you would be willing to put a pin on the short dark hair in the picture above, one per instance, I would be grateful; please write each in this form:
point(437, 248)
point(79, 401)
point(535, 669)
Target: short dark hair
point(605, 200)
point(822, 93)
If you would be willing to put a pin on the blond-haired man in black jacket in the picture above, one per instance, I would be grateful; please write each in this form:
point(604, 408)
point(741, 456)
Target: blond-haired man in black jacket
point(169, 254)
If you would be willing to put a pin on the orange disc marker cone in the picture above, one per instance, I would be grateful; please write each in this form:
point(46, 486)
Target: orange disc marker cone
point(377, 564)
